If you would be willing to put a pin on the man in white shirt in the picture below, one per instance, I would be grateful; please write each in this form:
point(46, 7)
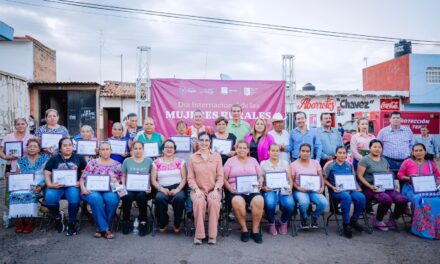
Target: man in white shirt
point(280, 135)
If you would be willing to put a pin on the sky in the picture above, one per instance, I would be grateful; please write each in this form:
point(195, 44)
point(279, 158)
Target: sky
point(193, 50)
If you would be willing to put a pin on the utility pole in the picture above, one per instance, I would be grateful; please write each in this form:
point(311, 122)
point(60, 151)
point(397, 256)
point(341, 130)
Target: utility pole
point(143, 82)
point(289, 77)
point(121, 69)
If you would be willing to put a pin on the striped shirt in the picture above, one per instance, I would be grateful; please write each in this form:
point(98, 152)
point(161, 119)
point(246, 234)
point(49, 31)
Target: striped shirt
point(397, 143)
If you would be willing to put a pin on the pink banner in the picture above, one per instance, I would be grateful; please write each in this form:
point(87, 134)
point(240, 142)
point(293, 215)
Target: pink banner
point(176, 99)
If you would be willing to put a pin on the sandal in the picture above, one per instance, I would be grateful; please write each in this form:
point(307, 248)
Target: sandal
point(97, 234)
point(108, 235)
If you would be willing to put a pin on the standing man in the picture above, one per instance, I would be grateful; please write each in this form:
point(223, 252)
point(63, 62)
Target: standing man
point(397, 141)
point(132, 128)
point(428, 141)
point(198, 126)
point(300, 134)
point(330, 139)
point(237, 126)
point(280, 135)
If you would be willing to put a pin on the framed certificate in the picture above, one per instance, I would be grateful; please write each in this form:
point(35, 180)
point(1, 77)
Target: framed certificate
point(244, 183)
point(276, 180)
point(50, 140)
point(14, 149)
point(98, 183)
point(221, 146)
point(151, 150)
point(86, 147)
point(65, 177)
point(384, 181)
point(345, 182)
point(183, 143)
point(119, 147)
point(20, 182)
point(310, 182)
point(424, 184)
point(137, 182)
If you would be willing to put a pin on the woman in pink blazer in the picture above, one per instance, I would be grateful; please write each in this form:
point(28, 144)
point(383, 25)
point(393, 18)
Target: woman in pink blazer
point(259, 141)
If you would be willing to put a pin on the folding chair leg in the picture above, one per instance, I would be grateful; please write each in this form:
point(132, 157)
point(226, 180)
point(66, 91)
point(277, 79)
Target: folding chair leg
point(367, 223)
point(323, 223)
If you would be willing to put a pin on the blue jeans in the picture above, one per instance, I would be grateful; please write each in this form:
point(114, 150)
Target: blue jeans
point(188, 204)
point(162, 200)
point(304, 200)
point(53, 197)
point(104, 205)
point(271, 200)
point(345, 199)
point(394, 164)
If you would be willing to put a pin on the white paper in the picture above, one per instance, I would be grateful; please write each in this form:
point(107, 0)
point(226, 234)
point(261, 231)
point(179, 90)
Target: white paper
point(20, 182)
point(183, 143)
point(86, 147)
point(222, 146)
point(310, 182)
point(424, 183)
point(151, 150)
point(244, 183)
point(345, 182)
point(98, 183)
point(14, 149)
point(386, 180)
point(50, 140)
point(64, 177)
point(138, 182)
point(276, 180)
point(118, 146)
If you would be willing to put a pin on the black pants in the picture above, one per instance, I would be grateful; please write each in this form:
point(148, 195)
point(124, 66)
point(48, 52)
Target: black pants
point(178, 202)
point(141, 199)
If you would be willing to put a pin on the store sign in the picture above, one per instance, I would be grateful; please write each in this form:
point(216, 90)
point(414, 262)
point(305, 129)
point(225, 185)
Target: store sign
point(389, 104)
point(309, 104)
point(356, 104)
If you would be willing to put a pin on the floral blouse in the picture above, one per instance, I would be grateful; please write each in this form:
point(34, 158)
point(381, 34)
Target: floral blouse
point(95, 168)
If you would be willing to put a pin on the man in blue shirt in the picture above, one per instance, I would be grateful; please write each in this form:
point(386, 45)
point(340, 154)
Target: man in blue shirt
point(300, 135)
point(330, 139)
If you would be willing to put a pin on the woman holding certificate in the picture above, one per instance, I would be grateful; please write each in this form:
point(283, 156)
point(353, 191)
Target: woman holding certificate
point(308, 182)
point(371, 169)
point(86, 145)
point(243, 185)
point(136, 177)
point(277, 189)
point(51, 132)
point(425, 201)
point(168, 176)
point(341, 182)
point(95, 189)
point(205, 178)
point(360, 141)
point(222, 141)
point(259, 141)
point(61, 174)
point(151, 139)
point(119, 144)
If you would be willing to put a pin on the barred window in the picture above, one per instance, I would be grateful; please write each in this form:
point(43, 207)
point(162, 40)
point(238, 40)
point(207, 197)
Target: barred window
point(433, 75)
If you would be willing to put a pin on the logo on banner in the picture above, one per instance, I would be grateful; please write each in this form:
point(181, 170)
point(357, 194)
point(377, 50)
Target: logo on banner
point(389, 104)
point(307, 104)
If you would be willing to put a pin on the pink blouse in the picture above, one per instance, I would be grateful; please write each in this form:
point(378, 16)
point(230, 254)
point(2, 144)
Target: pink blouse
point(10, 138)
point(233, 167)
point(411, 168)
point(358, 143)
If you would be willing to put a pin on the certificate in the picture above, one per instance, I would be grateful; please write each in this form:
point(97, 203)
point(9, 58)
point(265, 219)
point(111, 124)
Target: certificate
point(384, 181)
point(86, 147)
point(276, 180)
point(424, 184)
point(20, 182)
point(50, 140)
point(14, 149)
point(310, 182)
point(151, 150)
point(98, 183)
point(65, 177)
point(183, 143)
point(119, 147)
point(345, 182)
point(244, 183)
point(222, 146)
point(137, 182)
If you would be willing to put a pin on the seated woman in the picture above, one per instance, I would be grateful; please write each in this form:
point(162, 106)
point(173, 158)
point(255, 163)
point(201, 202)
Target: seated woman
point(102, 203)
point(340, 166)
point(168, 177)
point(67, 160)
point(375, 163)
point(425, 210)
point(272, 197)
point(305, 165)
point(24, 204)
point(137, 164)
point(242, 164)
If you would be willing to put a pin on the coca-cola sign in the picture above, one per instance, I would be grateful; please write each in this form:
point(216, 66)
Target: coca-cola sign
point(389, 104)
point(309, 104)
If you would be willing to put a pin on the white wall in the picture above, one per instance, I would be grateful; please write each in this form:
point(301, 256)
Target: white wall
point(16, 57)
point(127, 105)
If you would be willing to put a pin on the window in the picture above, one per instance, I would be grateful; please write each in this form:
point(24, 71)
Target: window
point(433, 75)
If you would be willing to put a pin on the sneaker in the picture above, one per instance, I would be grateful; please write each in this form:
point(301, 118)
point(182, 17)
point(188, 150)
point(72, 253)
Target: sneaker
point(197, 241)
point(29, 227)
point(20, 226)
point(59, 225)
point(212, 241)
point(391, 224)
point(381, 226)
point(143, 229)
point(305, 224)
point(231, 216)
point(314, 222)
point(356, 226)
point(245, 236)
point(257, 237)
point(347, 231)
point(71, 230)
point(272, 229)
point(283, 228)
point(125, 227)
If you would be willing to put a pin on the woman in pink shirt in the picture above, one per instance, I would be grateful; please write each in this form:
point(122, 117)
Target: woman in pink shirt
point(259, 141)
point(425, 209)
point(243, 165)
point(359, 144)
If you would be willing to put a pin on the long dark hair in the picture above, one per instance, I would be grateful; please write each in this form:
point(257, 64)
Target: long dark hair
point(416, 145)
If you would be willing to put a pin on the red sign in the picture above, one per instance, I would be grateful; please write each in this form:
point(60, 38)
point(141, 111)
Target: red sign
point(309, 104)
point(390, 104)
point(415, 120)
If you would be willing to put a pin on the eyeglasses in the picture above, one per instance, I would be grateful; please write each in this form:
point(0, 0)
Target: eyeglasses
point(169, 147)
